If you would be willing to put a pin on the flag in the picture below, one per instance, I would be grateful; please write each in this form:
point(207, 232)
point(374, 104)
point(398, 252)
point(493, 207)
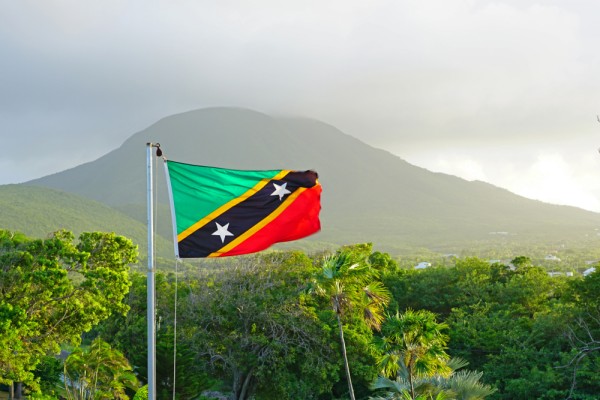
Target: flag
point(221, 212)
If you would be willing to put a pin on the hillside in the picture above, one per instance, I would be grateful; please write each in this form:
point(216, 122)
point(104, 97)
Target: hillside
point(369, 194)
point(37, 212)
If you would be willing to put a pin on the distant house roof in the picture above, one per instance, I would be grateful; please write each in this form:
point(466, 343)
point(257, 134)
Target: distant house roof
point(423, 265)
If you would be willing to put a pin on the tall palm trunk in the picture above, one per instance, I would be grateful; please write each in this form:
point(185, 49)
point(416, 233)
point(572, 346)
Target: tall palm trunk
point(346, 365)
point(411, 382)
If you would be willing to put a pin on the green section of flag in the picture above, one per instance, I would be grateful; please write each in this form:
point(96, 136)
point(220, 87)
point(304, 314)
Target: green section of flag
point(197, 190)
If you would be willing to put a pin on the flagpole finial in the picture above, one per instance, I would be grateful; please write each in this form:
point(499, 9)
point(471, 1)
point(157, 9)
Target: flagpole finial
point(159, 152)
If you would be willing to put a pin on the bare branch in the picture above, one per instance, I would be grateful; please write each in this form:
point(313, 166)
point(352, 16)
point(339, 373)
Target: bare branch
point(585, 343)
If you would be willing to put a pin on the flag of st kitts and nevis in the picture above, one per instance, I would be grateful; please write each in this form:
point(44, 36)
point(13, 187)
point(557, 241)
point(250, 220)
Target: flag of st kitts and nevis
point(221, 212)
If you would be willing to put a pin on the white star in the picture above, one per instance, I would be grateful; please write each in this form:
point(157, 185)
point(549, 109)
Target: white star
point(280, 190)
point(222, 231)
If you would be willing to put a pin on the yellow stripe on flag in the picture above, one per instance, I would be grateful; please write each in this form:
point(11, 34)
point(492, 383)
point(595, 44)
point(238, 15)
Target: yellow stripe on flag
point(240, 239)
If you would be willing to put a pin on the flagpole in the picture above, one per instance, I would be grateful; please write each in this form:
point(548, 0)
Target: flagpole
point(150, 281)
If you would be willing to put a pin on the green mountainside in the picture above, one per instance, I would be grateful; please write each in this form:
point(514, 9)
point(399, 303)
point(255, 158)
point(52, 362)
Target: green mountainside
point(37, 212)
point(368, 194)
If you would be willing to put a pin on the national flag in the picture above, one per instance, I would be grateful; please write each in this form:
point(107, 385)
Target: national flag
point(221, 212)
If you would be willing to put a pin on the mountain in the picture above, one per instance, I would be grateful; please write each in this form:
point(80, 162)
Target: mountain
point(368, 194)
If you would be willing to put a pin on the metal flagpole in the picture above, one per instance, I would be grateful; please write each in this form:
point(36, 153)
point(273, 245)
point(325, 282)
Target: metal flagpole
point(150, 282)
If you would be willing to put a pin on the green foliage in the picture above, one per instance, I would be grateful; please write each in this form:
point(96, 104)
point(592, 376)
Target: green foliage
point(415, 340)
point(128, 333)
point(382, 261)
point(585, 293)
point(453, 385)
point(250, 322)
point(525, 331)
point(51, 291)
point(142, 393)
point(184, 373)
point(245, 321)
point(41, 396)
point(49, 371)
point(98, 372)
point(349, 281)
point(433, 289)
point(583, 335)
point(529, 333)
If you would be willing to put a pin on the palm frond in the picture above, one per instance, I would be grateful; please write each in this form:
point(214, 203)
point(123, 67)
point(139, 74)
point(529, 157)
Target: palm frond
point(467, 386)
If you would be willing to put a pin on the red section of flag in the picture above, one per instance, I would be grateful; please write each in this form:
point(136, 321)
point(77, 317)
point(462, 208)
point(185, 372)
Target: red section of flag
point(299, 220)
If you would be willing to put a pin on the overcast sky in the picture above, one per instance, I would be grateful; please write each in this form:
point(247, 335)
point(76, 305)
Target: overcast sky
point(501, 91)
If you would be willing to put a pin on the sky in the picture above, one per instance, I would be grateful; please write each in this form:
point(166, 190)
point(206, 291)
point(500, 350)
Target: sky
point(505, 91)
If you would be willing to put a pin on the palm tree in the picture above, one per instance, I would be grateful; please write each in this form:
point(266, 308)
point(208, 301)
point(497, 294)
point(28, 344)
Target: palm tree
point(459, 385)
point(403, 387)
point(415, 341)
point(348, 281)
point(99, 372)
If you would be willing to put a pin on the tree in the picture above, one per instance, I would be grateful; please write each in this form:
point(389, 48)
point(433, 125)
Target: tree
point(142, 393)
point(248, 319)
point(583, 334)
point(414, 340)
point(128, 333)
point(433, 289)
point(513, 329)
point(49, 372)
point(51, 291)
point(348, 281)
point(98, 373)
point(521, 261)
point(532, 335)
point(457, 385)
point(403, 386)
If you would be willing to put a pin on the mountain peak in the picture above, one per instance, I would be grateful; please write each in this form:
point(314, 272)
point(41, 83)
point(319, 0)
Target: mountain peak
point(368, 194)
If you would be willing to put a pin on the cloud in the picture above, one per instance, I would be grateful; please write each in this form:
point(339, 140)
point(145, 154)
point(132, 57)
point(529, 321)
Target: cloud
point(535, 172)
point(552, 179)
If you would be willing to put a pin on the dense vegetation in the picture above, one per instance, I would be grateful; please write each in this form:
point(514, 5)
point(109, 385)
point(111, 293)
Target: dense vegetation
point(280, 325)
point(53, 290)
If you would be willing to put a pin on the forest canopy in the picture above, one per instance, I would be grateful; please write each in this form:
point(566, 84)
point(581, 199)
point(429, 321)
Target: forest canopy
point(259, 327)
point(53, 290)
